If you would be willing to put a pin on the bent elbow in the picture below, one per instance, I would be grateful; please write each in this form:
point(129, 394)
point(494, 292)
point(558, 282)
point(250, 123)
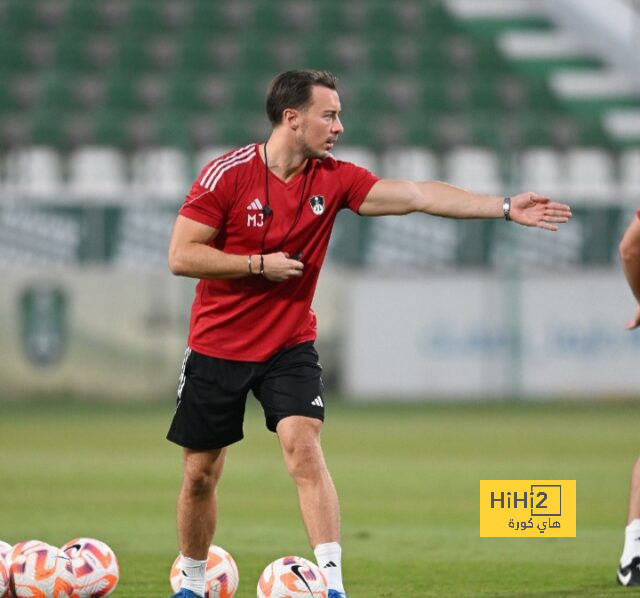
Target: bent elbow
point(176, 265)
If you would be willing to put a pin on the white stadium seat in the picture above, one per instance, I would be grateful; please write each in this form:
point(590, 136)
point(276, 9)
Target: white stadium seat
point(630, 176)
point(358, 155)
point(206, 154)
point(160, 173)
point(411, 163)
point(590, 173)
point(34, 172)
point(473, 168)
point(542, 171)
point(97, 172)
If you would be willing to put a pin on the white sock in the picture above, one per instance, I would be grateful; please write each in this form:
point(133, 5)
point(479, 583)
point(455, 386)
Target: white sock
point(193, 574)
point(631, 542)
point(329, 559)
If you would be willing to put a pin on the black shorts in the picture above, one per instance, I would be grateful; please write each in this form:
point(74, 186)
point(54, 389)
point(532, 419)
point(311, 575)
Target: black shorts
point(212, 394)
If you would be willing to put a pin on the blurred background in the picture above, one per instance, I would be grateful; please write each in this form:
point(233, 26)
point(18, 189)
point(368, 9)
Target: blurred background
point(109, 109)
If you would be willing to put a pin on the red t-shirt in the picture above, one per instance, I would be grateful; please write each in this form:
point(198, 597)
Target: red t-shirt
point(251, 319)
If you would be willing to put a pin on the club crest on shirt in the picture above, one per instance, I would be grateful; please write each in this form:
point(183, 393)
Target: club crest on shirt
point(317, 204)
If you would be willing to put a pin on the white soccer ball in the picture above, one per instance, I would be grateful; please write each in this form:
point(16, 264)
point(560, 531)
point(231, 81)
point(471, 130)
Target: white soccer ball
point(41, 571)
point(221, 578)
point(4, 578)
point(292, 577)
point(95, 567)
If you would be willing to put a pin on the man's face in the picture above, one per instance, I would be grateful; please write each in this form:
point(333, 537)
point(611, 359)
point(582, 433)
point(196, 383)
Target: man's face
point(320, 123)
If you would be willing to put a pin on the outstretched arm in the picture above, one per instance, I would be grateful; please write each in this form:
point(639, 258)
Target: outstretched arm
point(630, 258)
point(396, 197)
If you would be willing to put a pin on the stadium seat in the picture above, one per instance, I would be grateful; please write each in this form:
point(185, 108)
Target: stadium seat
point(358, 155)
point(412, 163)
point(474, 168)
point(206, 154)
point(34, 172)
point(160, 174)
point(542, 170)
point(97, 173)
point(630, 176)
point(590, 175)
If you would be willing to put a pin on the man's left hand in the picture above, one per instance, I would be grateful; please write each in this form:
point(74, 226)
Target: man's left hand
point(531, 209)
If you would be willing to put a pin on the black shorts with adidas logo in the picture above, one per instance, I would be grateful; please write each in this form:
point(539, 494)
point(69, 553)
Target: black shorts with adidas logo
point(212, 394)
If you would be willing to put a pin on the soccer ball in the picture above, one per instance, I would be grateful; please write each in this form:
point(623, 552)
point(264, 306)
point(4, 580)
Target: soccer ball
point(41, 571)
point(221, 578)
point(4, 578)
point(292, 577)
point(22, 548)
point(95, 567)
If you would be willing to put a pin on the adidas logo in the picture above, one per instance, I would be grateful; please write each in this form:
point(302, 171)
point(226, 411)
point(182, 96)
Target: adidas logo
point(330, 564)
point(255, 205)
point(318, 403)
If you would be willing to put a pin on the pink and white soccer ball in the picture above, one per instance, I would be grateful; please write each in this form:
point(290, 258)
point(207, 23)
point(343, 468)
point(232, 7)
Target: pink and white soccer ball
point(40, 571)
point(221, 578)
point(4, 578)
point(22, 548)
point(95, 567)
point(292, 577)
point(4, 570)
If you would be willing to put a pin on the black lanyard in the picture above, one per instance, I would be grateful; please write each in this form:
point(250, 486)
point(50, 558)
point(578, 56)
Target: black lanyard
point(268, 211)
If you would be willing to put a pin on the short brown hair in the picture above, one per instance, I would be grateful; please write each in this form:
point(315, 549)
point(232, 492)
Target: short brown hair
point(292, 89)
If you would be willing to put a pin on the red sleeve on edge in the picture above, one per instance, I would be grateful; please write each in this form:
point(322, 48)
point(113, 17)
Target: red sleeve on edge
point(205, 206)
point(357, 183)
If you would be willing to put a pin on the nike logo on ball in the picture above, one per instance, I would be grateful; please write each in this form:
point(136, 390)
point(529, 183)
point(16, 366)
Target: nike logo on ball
point(624, 579)
point(296, 571)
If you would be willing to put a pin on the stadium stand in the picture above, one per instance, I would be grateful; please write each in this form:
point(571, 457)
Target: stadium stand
point(125, 100)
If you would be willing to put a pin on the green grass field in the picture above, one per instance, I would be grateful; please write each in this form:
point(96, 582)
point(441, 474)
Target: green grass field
point(408, 477)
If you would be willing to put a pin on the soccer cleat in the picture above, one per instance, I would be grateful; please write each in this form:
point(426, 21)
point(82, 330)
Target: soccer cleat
point(184, 593)
point(630, 575)
point(336, 594)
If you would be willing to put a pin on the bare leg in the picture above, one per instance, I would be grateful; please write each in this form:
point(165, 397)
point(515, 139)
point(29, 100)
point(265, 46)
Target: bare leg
point(300, 442)
point(634, 493)
point(197, 505)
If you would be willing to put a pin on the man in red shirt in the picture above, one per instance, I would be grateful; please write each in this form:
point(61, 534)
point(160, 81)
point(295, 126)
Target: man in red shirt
point(629, 569)
point(255, 229)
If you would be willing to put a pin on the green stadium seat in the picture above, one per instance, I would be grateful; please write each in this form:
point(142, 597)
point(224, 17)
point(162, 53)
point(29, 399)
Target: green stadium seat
point(19, 92)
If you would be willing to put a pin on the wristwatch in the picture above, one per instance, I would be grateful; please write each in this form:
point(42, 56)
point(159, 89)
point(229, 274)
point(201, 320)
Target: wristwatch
point(506, 208)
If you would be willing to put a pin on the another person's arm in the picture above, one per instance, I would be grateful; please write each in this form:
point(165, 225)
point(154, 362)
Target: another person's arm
point(396, 197)
point(630, 257)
